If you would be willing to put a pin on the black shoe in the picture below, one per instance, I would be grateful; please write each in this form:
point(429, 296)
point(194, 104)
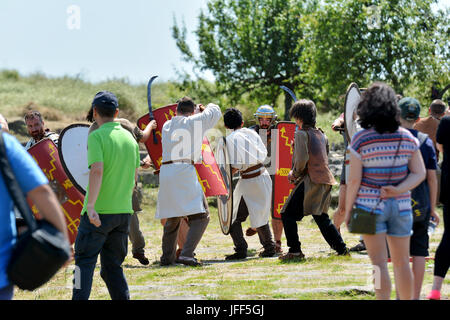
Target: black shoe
point(236, 256)
point(188, 261)
point(359, 247)
point(142, 258)
point(346, 252)
point(267, 253)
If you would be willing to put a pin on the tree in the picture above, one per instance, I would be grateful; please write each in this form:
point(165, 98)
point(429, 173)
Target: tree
point(252, 46)
point(401, 42)
point(317, 48)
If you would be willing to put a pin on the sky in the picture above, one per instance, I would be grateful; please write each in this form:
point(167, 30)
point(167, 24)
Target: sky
point(98, 40)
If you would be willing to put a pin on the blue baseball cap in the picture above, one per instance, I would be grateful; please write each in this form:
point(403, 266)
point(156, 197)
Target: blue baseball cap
point(105, 99)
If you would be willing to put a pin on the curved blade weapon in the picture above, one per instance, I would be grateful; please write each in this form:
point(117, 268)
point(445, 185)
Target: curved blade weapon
point(293, 96)
point(291, 93)
point(149, 102)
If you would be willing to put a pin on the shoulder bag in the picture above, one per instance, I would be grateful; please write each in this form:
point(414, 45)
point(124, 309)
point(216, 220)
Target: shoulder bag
point(41, 250)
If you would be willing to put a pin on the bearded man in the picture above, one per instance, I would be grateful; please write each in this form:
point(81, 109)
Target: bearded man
point(37, 130)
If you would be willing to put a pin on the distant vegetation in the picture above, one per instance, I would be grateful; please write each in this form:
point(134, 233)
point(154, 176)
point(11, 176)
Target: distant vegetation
point(65, 100)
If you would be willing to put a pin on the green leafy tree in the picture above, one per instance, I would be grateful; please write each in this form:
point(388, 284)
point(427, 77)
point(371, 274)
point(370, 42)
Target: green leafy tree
point(402, 42)
point(251, 46)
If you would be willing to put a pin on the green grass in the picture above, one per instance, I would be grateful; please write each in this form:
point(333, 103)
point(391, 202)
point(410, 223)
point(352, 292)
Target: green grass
point(323, 275)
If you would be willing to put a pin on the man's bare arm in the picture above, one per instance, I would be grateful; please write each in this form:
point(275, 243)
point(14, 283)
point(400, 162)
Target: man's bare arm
point(95, 183)
point(48, 205)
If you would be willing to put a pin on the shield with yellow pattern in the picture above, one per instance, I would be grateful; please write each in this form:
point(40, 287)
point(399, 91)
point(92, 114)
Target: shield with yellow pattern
point(283, 162)
point(46, 154)
point(208, 172)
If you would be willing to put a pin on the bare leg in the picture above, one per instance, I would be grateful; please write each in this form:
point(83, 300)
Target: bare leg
point(182, 233)
point(404, 282)
point(277, 227)
point(376, 248)
point(418, 269)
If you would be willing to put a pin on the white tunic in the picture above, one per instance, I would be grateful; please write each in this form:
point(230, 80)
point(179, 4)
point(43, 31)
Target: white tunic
point(180, 193)
point(246, 149)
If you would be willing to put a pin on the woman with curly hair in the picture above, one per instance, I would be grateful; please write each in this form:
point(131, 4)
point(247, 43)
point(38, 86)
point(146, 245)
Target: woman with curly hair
point(385, 163)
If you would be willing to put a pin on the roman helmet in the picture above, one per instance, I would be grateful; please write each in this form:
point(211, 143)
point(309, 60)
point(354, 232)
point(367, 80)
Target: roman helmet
point(265, 112)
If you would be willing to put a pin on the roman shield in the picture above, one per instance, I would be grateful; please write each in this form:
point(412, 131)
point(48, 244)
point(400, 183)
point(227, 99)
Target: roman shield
point(352, 98)
point(72, 148)
point(46, 154)
point(207, 171)
point(225, 202)
point(351, 126)
point(161, 115)
point(283, 162)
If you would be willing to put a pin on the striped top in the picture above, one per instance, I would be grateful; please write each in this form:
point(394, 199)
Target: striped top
point(377, 153)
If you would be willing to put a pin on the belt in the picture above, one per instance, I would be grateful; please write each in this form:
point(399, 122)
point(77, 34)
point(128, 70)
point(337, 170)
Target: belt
point(188, 161)
point(244, 174)
point(259, 165)
point(251, 175)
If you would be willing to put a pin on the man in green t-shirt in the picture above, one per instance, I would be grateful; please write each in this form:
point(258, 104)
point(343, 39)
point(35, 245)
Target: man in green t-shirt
point(113, 159)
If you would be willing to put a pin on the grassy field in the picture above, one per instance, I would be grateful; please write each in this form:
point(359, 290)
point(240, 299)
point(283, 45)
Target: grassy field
point(323, 275)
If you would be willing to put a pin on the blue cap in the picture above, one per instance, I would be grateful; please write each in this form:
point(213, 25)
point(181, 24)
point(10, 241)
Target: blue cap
point(106, 99)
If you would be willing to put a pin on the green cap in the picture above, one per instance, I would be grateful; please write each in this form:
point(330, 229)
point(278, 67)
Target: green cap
point(410, 108)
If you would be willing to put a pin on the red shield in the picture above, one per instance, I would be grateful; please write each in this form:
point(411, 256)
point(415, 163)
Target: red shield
point(161, 115)
point(45, 153)
point(283, 161)
point(208, 172)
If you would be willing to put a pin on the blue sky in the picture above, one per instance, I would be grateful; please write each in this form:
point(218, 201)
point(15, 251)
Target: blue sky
point(129, 39)
point(116, 38)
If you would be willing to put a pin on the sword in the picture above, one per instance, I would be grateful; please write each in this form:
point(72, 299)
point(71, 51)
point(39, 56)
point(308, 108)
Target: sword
point(149, 102)
point(293, 96)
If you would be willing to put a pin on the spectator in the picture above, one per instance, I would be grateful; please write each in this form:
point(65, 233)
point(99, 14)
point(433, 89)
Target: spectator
point(381, 184)
point(410, 110)
point(113, 159)
point(442, 257)
point(37, 130)
point(430, 124)
point(35, 186)
point(135, 234)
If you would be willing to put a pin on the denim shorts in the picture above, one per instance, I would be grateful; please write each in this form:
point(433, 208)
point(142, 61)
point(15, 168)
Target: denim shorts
point(391, 222)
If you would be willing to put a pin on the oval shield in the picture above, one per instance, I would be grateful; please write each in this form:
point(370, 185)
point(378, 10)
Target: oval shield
point(225, 202)
point(352, 98)
point(73, 153)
